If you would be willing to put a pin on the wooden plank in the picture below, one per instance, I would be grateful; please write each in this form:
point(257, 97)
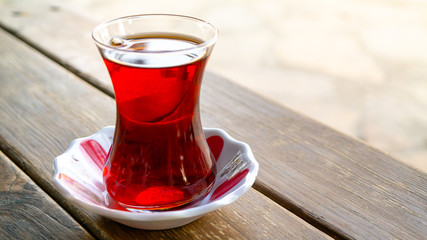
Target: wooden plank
point(44, 108)
point(50, 18)
point(26, 212)
point(329, 179)
point(335, 182)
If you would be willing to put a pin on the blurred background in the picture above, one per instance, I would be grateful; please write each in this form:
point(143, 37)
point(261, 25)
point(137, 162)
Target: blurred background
point(358, 66)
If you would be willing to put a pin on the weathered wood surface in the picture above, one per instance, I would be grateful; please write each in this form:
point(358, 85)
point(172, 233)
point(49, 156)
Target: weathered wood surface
point(44, 107)
point(335, 182)
point(26, 212)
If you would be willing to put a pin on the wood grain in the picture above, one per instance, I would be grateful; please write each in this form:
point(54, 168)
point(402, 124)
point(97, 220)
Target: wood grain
point(328, 178)
point(26, 212)
point(337, 183)
point(44, 107)
point(333, 181)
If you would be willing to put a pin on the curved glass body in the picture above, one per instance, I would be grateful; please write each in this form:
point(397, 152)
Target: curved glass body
point(159, 158)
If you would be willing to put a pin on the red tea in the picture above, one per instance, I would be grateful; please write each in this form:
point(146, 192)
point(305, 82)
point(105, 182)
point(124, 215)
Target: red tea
point(159, 157)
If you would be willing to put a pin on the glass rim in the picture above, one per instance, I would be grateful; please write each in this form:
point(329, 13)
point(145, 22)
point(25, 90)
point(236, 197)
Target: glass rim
point(205, 44)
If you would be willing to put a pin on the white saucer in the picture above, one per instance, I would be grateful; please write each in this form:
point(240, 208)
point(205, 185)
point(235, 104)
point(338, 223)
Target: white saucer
point(78, 176)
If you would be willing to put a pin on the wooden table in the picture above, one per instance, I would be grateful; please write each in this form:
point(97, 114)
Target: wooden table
point(314, 182)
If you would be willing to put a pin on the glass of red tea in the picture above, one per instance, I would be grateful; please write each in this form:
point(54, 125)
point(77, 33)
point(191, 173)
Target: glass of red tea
point(159, 158)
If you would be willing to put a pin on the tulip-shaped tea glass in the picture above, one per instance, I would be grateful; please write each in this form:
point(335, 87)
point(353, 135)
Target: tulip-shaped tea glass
point(159, 158)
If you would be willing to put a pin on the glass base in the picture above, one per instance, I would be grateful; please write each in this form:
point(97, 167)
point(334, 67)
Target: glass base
point(179, 205)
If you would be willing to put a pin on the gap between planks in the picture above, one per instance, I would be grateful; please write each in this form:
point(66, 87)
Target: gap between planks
point(26, 220)
point(14, 156)
point(101, 86)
